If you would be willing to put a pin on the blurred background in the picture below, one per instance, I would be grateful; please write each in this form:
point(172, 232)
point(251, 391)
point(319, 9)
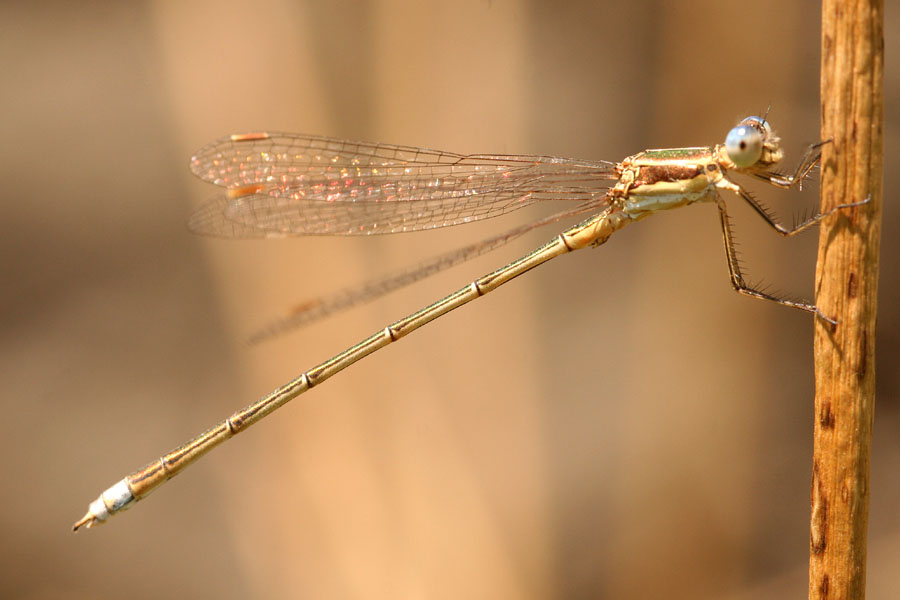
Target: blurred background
point(618, 423)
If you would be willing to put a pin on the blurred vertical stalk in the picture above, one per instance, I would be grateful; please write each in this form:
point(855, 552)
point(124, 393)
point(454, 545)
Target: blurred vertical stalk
point(847, 285)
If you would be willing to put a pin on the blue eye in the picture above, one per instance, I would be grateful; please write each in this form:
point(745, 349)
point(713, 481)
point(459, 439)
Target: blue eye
point(744, 145)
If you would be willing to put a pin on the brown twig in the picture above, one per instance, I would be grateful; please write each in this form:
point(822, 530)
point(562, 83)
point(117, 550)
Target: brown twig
point(847, 285)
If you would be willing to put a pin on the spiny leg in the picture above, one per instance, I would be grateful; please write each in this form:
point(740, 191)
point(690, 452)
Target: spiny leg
point(807, 163)
point(737, 278)
point(772, 220)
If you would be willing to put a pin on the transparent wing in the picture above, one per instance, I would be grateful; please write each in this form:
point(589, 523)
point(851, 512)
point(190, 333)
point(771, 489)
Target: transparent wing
point(318, 308)
point(290, 184)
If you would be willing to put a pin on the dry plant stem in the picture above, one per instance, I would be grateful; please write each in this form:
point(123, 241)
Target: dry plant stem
point(847, 286)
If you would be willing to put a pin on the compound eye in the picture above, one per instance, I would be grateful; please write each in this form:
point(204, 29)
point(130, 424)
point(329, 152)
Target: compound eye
point(759, 123)
point(744, 145)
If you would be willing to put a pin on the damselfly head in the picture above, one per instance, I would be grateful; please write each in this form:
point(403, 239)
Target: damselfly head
point(752, 143)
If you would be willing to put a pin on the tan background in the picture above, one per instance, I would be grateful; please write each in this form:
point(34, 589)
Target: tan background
point(617, 424)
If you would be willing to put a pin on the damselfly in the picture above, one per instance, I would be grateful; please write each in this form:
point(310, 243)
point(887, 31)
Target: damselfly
point(288, 184)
